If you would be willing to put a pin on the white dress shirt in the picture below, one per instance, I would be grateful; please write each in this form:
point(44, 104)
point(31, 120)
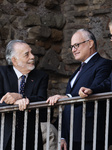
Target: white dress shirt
point(19, 74)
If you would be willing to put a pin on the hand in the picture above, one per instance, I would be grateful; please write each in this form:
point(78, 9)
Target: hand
point(10, 98)
point(63, 144)
point(85, 92)
point(53, 99)
point(22, 103)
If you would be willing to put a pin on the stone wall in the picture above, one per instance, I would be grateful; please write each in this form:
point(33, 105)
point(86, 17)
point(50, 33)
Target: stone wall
point(47, 25)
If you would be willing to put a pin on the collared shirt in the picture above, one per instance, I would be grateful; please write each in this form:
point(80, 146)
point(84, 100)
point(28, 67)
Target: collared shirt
point(74, 78)
point(86, 61)
point(19, 74)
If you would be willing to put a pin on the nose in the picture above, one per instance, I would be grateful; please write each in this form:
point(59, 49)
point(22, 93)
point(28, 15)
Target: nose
point(31, 56)
point(73, 49)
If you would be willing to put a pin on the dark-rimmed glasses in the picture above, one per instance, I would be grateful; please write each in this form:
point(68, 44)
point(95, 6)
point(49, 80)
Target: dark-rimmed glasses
point(76, 45)
point(110, 36)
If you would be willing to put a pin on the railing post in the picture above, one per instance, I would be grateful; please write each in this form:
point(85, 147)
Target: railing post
point(25, 129)
point(59, 126)
point(2, 130)
point(71, 126)
point(95, 124)
point(107, 123)
point(13, 131)
point(36, 128)
point(83, 126)
point(48, 127)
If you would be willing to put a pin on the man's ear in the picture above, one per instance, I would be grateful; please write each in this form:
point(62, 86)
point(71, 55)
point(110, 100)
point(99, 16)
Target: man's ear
point(14, 61)
point(91, 43)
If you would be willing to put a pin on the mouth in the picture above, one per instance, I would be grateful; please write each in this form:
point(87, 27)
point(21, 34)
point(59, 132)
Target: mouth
point(77, 53)
point(31, 62)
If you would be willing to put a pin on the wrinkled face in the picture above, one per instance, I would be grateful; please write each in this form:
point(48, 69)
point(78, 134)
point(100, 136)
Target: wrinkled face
point(83, 51)
point(24, 59)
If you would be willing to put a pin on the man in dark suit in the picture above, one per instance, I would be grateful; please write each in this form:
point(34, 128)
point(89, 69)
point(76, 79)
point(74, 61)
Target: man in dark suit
point(95, 69)
point(21, 62)
point(105, 86)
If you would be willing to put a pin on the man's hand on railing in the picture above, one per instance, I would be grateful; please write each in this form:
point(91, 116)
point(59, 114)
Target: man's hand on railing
point(84, 92)
point(53, 99)
point(22, 103)
point(63, 144)
point(10, 98)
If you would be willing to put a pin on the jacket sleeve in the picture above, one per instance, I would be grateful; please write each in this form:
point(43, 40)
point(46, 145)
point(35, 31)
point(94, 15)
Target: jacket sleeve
point(104, 86)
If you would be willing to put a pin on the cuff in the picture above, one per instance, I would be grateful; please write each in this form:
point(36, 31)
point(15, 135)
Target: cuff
point(69, 95)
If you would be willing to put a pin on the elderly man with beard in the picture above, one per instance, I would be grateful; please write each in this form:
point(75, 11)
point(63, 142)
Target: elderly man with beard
point(21, 63)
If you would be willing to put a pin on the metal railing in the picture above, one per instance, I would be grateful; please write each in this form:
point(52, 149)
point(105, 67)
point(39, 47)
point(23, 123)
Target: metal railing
point(75, 100)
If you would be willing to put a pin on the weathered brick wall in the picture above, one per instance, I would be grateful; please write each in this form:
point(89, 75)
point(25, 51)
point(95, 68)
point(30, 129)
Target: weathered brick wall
point(47, 25)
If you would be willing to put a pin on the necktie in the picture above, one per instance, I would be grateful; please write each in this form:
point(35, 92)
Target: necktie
point(22, 85)
point(82, 65)
point(75, 78)
point(20, 114)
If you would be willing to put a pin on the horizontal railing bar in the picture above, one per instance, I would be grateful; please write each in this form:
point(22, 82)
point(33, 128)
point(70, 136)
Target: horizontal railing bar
point(65, 101)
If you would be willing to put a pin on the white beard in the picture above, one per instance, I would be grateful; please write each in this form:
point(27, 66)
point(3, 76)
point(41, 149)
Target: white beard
point(26, 66)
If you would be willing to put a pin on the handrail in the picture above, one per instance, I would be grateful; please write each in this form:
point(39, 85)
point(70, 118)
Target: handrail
point(71, 101)
point(65, 101)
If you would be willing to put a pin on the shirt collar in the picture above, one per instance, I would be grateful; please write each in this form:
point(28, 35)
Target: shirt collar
point(86, 61)
point(18, 73)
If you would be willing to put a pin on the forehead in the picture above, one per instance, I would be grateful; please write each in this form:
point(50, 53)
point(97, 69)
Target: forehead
point(21, 47)
point(77, 38)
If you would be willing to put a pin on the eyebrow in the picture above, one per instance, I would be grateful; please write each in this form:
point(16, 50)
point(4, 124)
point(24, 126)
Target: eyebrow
point(26, 52)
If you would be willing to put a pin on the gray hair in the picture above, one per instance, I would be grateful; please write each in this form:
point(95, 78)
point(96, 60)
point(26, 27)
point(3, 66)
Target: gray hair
point(87, 34)
point(10, 50)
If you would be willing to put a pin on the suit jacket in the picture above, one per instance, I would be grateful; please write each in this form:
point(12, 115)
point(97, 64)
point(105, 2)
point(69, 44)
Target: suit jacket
point(92, 74)
point(35, 90)
point(104, 86)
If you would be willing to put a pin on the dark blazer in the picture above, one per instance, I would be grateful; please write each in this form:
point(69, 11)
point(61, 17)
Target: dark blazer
point(104, 86)
point(35, 90)
point(92, 74)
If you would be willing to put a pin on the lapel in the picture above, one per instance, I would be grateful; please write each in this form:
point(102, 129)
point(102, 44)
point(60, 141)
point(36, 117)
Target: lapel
point(13, 81)
point(12, 78)
point(86, 67)
point(30, 83)
point(69, 86)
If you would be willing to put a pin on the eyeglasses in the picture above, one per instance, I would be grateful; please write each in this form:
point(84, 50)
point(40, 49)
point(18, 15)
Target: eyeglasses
point(110, 36)
point(76, 45)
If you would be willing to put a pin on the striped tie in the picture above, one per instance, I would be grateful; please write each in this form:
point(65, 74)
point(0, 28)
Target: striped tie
point(22, 85)
point(20, 114)
point(82, 65)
